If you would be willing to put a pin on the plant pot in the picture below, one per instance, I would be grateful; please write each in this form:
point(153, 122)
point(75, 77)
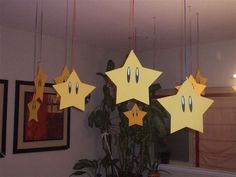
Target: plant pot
point(153, 173)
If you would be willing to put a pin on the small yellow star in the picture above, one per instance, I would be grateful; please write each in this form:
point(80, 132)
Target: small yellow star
point(73, 92)
point(133, 80)
point(33, 107)
point(135, 116)
point(200, 78)
point(39, 82)
point(63, 76)
point(199, 88)
point(186, 108)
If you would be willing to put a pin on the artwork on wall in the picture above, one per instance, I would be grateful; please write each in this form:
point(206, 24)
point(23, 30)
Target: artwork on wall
point(3, 116)
point(51, 129)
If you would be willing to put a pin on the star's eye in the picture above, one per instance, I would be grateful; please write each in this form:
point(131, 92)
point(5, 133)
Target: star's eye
point(133, 114)
point(128, 74)
point(137, 75)
point(77, 88)
point(136, 113)
point(69, 86)
point(183, 103)
point(190, 102)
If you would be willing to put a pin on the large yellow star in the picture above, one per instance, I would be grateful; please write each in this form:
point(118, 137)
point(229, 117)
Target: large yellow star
point(33, 107)
point(39, 82)
point(73, 92)
point(186, 108)
point(133, 80)
point(199, 88)
point(63, 76)
point(135, 116)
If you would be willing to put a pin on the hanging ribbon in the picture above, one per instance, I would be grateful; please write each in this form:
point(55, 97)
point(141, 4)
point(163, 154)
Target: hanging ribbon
point(198, 65)
point(35, 37)
point(66, 32)
point(154, 43)
point(41, 34)
point(73, 47)
point(132, 31)
point(190, 41)
point(185, 40)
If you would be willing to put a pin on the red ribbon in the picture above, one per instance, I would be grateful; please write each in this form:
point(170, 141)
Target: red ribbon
point(73, 54)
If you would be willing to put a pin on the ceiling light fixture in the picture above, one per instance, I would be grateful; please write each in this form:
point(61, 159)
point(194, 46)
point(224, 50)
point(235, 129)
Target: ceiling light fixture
point(234, 75)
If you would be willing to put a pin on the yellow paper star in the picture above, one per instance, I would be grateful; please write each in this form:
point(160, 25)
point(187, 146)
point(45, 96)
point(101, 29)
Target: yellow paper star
point(133, 80)
point(234, 87)
point(186, 108)
point(200, 78)
point(63, 76)
point(73, 92)
point(135, 116)
point(33, 107)
point(199, 88)
point(39, 82)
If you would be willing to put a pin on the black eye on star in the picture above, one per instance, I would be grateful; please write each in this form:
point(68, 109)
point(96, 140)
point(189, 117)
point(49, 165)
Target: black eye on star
point(70, 87)
point(137, 74)
point(190, 103)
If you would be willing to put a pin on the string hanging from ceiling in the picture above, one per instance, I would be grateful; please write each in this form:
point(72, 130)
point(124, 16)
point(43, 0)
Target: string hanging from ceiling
point(73, 41)
point(66, 32)
point(185, 40)
point(198, 76)
point(190, 41)
point(41, 33)
point(198, 37)
point(132, 33)
point(38, 35)
point(35, 38)
point(63, 76)
point(154, 42)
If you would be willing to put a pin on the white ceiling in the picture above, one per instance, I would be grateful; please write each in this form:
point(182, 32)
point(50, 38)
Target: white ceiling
point(105, 23)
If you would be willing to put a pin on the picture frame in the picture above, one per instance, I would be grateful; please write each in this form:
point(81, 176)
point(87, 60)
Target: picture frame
point(3, 116)
point(52, 129)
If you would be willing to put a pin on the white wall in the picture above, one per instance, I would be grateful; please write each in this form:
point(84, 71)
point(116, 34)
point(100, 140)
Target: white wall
point(16, 63)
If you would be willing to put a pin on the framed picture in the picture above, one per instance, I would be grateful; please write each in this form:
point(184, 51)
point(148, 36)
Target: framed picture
point(3, 116)
point(51, 130)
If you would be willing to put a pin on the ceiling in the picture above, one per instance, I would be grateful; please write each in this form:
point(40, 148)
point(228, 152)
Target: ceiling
point(105, 23)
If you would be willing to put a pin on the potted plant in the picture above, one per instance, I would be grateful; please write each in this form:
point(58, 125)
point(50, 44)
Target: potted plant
point(131, 144)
